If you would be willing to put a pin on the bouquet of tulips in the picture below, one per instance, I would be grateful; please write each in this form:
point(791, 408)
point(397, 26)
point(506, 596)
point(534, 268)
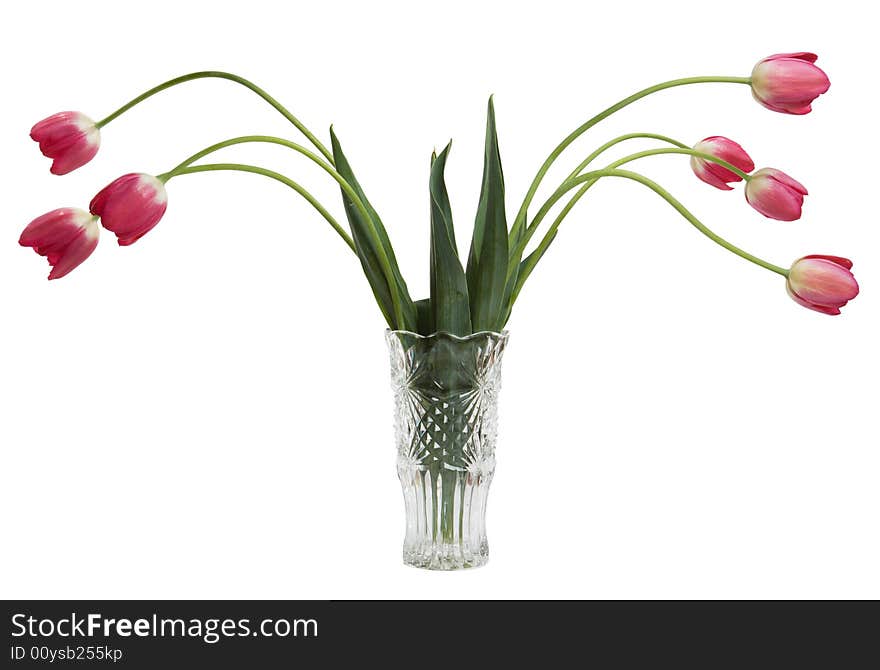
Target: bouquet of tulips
point(479, 294)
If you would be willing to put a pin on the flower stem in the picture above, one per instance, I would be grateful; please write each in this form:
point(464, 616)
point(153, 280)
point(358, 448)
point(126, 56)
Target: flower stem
point(246, 139)
point(686, 152)
point(617, 140)
point(273, 175)
point(530, 229)
point(539, 217)
point(231, 77)
point(586, 187)
point(519, 222)
point(591, 178)
point(382, 256)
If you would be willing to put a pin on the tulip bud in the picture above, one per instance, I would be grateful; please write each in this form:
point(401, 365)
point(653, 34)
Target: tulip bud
point(788, 83)
point(775, 194)
point(822, 283)
point(130, 206)
point(727, 150)
point(71, 139)
point(66, 237)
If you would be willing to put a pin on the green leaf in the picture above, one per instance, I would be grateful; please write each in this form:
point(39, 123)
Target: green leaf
point(487, 261)
point(367, 245)
point(425, 317)
point(449, 288)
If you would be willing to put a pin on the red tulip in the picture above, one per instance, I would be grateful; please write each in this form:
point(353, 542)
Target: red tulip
point(66, 237)
point(71, 139)
point(727, 150)
point(130, 206)
point(775, 194)
point(788, 83)
point(822, 283)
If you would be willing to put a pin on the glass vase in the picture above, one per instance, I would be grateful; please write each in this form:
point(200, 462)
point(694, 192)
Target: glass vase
point(445, 423)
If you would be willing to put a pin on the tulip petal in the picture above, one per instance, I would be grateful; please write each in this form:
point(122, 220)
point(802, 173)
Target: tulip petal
point(130, 206)
point(786, 180)
point(775, 203)
point(789, 83)
point(71, 139)
point(726, 150)
point(822, 282)
point(66, 237)
point(833, 311)
point(797, 55)
point(701, 169)
point(78, 249)
point(839, 260)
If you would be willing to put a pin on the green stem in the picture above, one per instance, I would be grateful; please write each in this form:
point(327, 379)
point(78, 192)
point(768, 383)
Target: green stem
point(539, 217)
point(519, 222)
point(231, 77)
point(586, 187)
point(685, 152)
point(277, 177)
point(329, 169)
point(592, 177)
point(617, 140)
point(245, 139)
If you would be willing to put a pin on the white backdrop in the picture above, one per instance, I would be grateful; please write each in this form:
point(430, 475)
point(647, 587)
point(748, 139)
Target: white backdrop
point(207, 413)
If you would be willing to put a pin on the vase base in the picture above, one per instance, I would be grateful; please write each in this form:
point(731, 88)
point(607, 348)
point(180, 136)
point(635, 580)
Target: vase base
point(445, 557)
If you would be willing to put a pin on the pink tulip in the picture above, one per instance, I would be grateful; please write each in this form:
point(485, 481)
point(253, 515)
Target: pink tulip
point(727, 150)
point(71, 139)
point(788, 83)
point(65, 236)
point(822, 283)
point(775, 194)
point(130, 206)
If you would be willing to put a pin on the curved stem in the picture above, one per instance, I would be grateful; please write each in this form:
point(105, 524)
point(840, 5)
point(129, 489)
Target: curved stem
point(617, 140)
point(231, 77)
point(245, 139)
point(277, 177)
point(519, 222)
point(346, 188)
point(532, 227)
point(589, 159)
point(586, 187)
point(592, 177)
point(686, 152)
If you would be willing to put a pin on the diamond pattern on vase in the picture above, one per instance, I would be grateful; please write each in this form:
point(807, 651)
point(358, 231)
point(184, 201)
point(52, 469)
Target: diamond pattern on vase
point(446, 416)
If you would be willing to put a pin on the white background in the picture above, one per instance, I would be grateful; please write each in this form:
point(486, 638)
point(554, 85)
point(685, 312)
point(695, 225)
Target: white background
point(207, 413)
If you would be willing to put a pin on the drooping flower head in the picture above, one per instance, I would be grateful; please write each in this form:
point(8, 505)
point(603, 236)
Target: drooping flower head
point(66, 237)
point(130, 206)
point(822, 283)
point(71, 139)
point(788, 83)
point(727, 150)
point(775, 194)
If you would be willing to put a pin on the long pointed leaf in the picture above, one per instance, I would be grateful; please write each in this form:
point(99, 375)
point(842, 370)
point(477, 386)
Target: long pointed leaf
point(366, 245)
point(488, 258)
point(449, 288)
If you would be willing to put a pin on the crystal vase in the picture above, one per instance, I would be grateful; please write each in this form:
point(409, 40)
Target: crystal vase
point(445, 422)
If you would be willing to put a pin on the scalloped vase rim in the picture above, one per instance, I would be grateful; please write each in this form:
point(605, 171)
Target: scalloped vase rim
point(504, 334)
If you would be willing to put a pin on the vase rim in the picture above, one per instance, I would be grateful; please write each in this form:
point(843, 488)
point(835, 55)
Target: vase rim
point(504, 334)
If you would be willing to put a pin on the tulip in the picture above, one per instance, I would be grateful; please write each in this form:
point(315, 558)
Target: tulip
point(775, 194)
point(727, 150)
point(822, 283)
point(130, 206)
point(66, 237)
point(788, 83)
point(71, 139)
